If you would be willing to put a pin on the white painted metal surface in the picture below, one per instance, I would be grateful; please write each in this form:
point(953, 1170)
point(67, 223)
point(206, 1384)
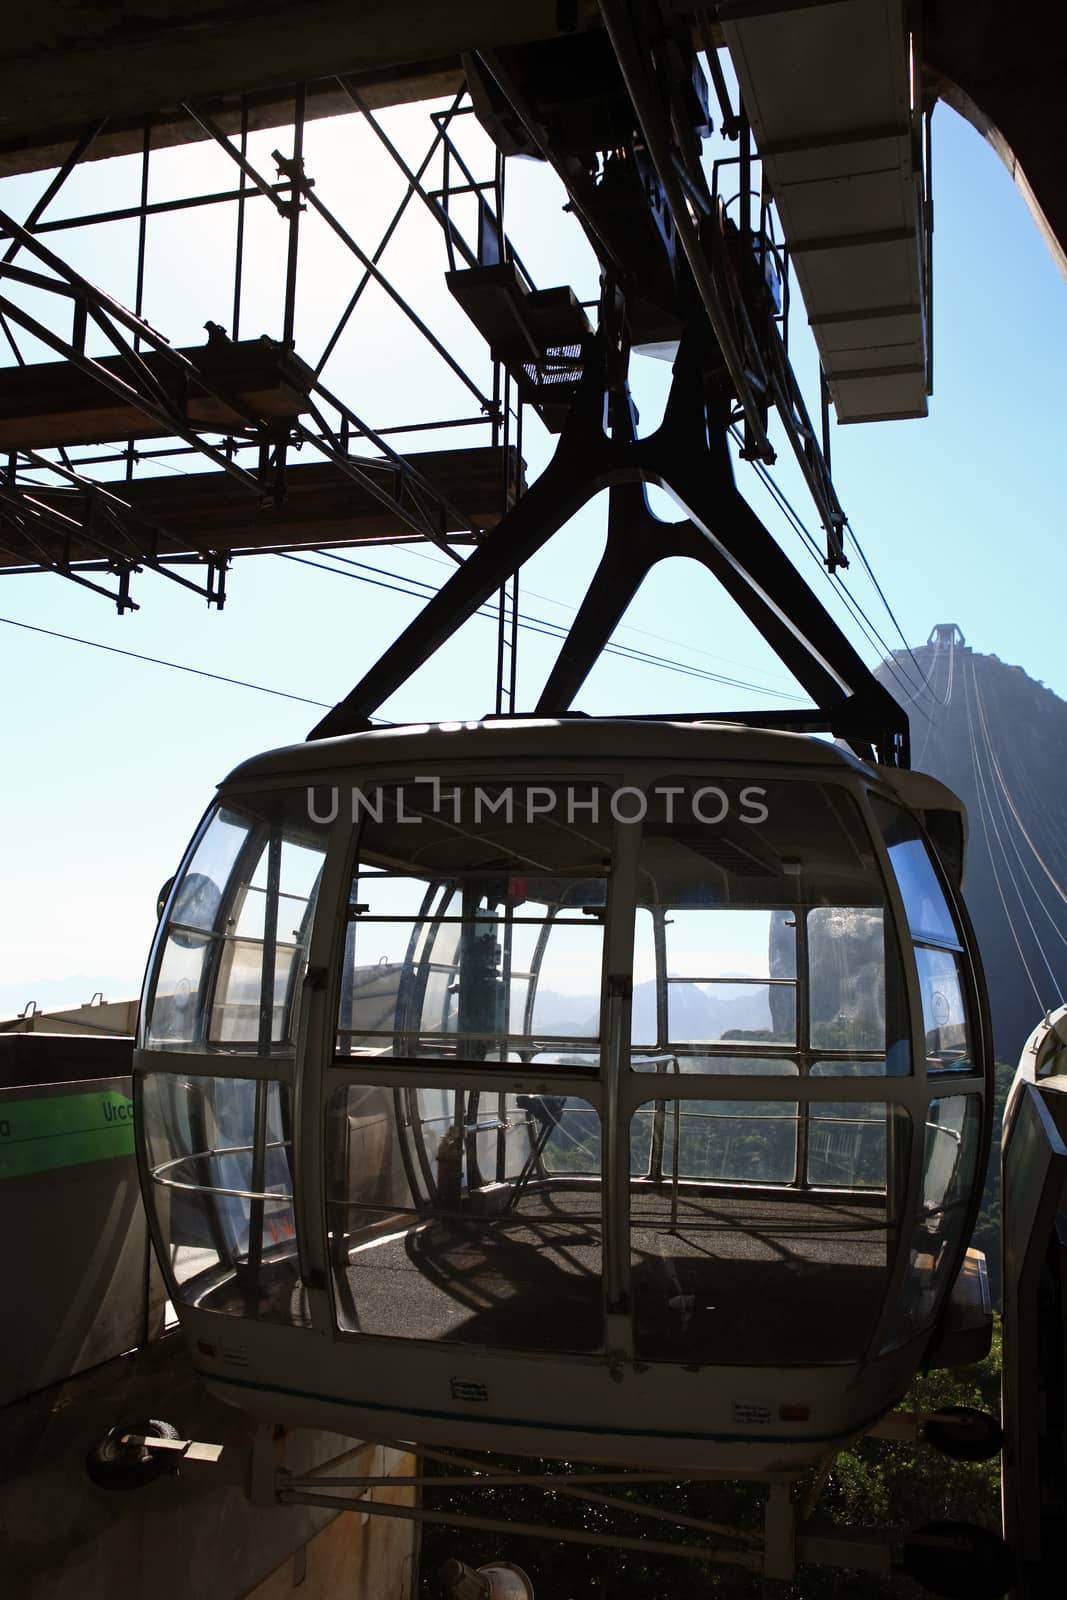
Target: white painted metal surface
point(828, 92)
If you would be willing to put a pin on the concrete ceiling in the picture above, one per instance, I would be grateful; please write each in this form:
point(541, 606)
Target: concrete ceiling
point(1003, 65)
point(66, 64)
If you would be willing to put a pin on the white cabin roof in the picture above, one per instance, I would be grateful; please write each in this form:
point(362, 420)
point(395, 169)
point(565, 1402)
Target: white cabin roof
point(511, 742)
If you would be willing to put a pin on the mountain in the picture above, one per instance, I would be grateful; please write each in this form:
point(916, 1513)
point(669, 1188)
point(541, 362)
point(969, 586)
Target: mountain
point(999, 739)
point(698, 1011)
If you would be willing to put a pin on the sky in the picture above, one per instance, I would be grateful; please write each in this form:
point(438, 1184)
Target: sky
point(109, 762)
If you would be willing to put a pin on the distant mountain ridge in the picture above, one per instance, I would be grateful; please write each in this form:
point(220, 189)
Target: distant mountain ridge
point(698, 1011)
point(998, 738)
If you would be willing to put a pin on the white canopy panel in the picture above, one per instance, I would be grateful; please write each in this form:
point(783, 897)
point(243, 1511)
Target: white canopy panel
point(828, 93)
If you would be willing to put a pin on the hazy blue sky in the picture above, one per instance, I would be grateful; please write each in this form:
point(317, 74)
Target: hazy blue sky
point(109, 762)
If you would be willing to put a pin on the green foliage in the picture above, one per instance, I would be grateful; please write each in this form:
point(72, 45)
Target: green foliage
point(848, 1033)
point(913, 1483)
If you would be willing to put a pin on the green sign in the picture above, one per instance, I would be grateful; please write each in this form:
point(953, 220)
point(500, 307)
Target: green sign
point(39, 1134)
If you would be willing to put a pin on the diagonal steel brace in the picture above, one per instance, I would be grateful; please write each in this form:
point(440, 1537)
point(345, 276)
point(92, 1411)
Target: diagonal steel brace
point(688, 456)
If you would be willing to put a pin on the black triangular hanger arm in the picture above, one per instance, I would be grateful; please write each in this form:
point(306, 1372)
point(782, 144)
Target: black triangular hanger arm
point(688, 456)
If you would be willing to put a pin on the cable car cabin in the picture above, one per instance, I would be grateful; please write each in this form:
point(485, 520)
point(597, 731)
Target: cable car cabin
point(611, 1090)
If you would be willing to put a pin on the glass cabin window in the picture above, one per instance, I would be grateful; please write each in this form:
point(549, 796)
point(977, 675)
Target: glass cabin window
point(857, 1144)
point(731, 975)
point(763, 949)
point(950, 1154)
point(476, 938)
point(761, 931)
point(466, 1216)
point(232, 951)
point(935, 940)
point(847, 1142)
point(728, 1268)
point(717, 1141)
point(219, 1157)
point(846, 949)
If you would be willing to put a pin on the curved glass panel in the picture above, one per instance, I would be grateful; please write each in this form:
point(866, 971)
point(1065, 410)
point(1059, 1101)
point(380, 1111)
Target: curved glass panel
point(724, 1141)
point(936, 942)
point(944, 1010)
point(466, 1216)
point(731, 975)
point(219, 1158)
point(476, 938)
point(950, 1156)
point(761, 930)
point(231, 955)
point(847, 1145)
point(929, 917)
point(761, 1268)
point(846, 967)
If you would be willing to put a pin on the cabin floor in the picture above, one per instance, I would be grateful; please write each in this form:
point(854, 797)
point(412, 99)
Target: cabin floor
point(734, 1280)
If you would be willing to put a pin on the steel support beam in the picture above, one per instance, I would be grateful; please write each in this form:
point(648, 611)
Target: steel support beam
point(688, 456)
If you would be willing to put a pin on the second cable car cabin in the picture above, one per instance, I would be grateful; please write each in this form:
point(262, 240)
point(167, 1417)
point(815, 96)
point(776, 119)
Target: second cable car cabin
point(611, 1090)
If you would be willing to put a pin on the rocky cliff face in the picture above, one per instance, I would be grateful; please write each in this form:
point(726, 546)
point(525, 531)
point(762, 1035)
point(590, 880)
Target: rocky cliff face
point(999, 739)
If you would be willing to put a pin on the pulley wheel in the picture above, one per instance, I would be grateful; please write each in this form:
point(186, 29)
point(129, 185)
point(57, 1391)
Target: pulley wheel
point(112, 1464)
point(964, 1433)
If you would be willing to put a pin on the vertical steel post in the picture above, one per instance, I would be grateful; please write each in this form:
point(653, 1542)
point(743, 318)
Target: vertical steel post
point(780, 1533)
point(266, 1032)
point(517, 576)
point(239, 248)
point(744, 223)
point(508, 597)
point(615, 1031)
point(295, 202)
point(142, 236)
point(802, 1029)
point(928, 206)
point(500, 431)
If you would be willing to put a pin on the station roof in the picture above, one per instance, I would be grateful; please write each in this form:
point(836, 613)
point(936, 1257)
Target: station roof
point(65, 64)
point(830, 95)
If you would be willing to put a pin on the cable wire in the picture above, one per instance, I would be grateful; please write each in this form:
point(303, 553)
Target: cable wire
point(989, 851)
point(881, 595)
point(157, 661)
point(942, 704)
point(999, 773)
point(558, 631)
point(1039, 942)
point(874, 637)
point(415, 588)
point(1000, 793)
point(626, 627)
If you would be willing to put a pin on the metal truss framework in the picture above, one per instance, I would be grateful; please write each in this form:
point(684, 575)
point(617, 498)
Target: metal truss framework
point(88, 530)
point(687, 456)
point(56, 515)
